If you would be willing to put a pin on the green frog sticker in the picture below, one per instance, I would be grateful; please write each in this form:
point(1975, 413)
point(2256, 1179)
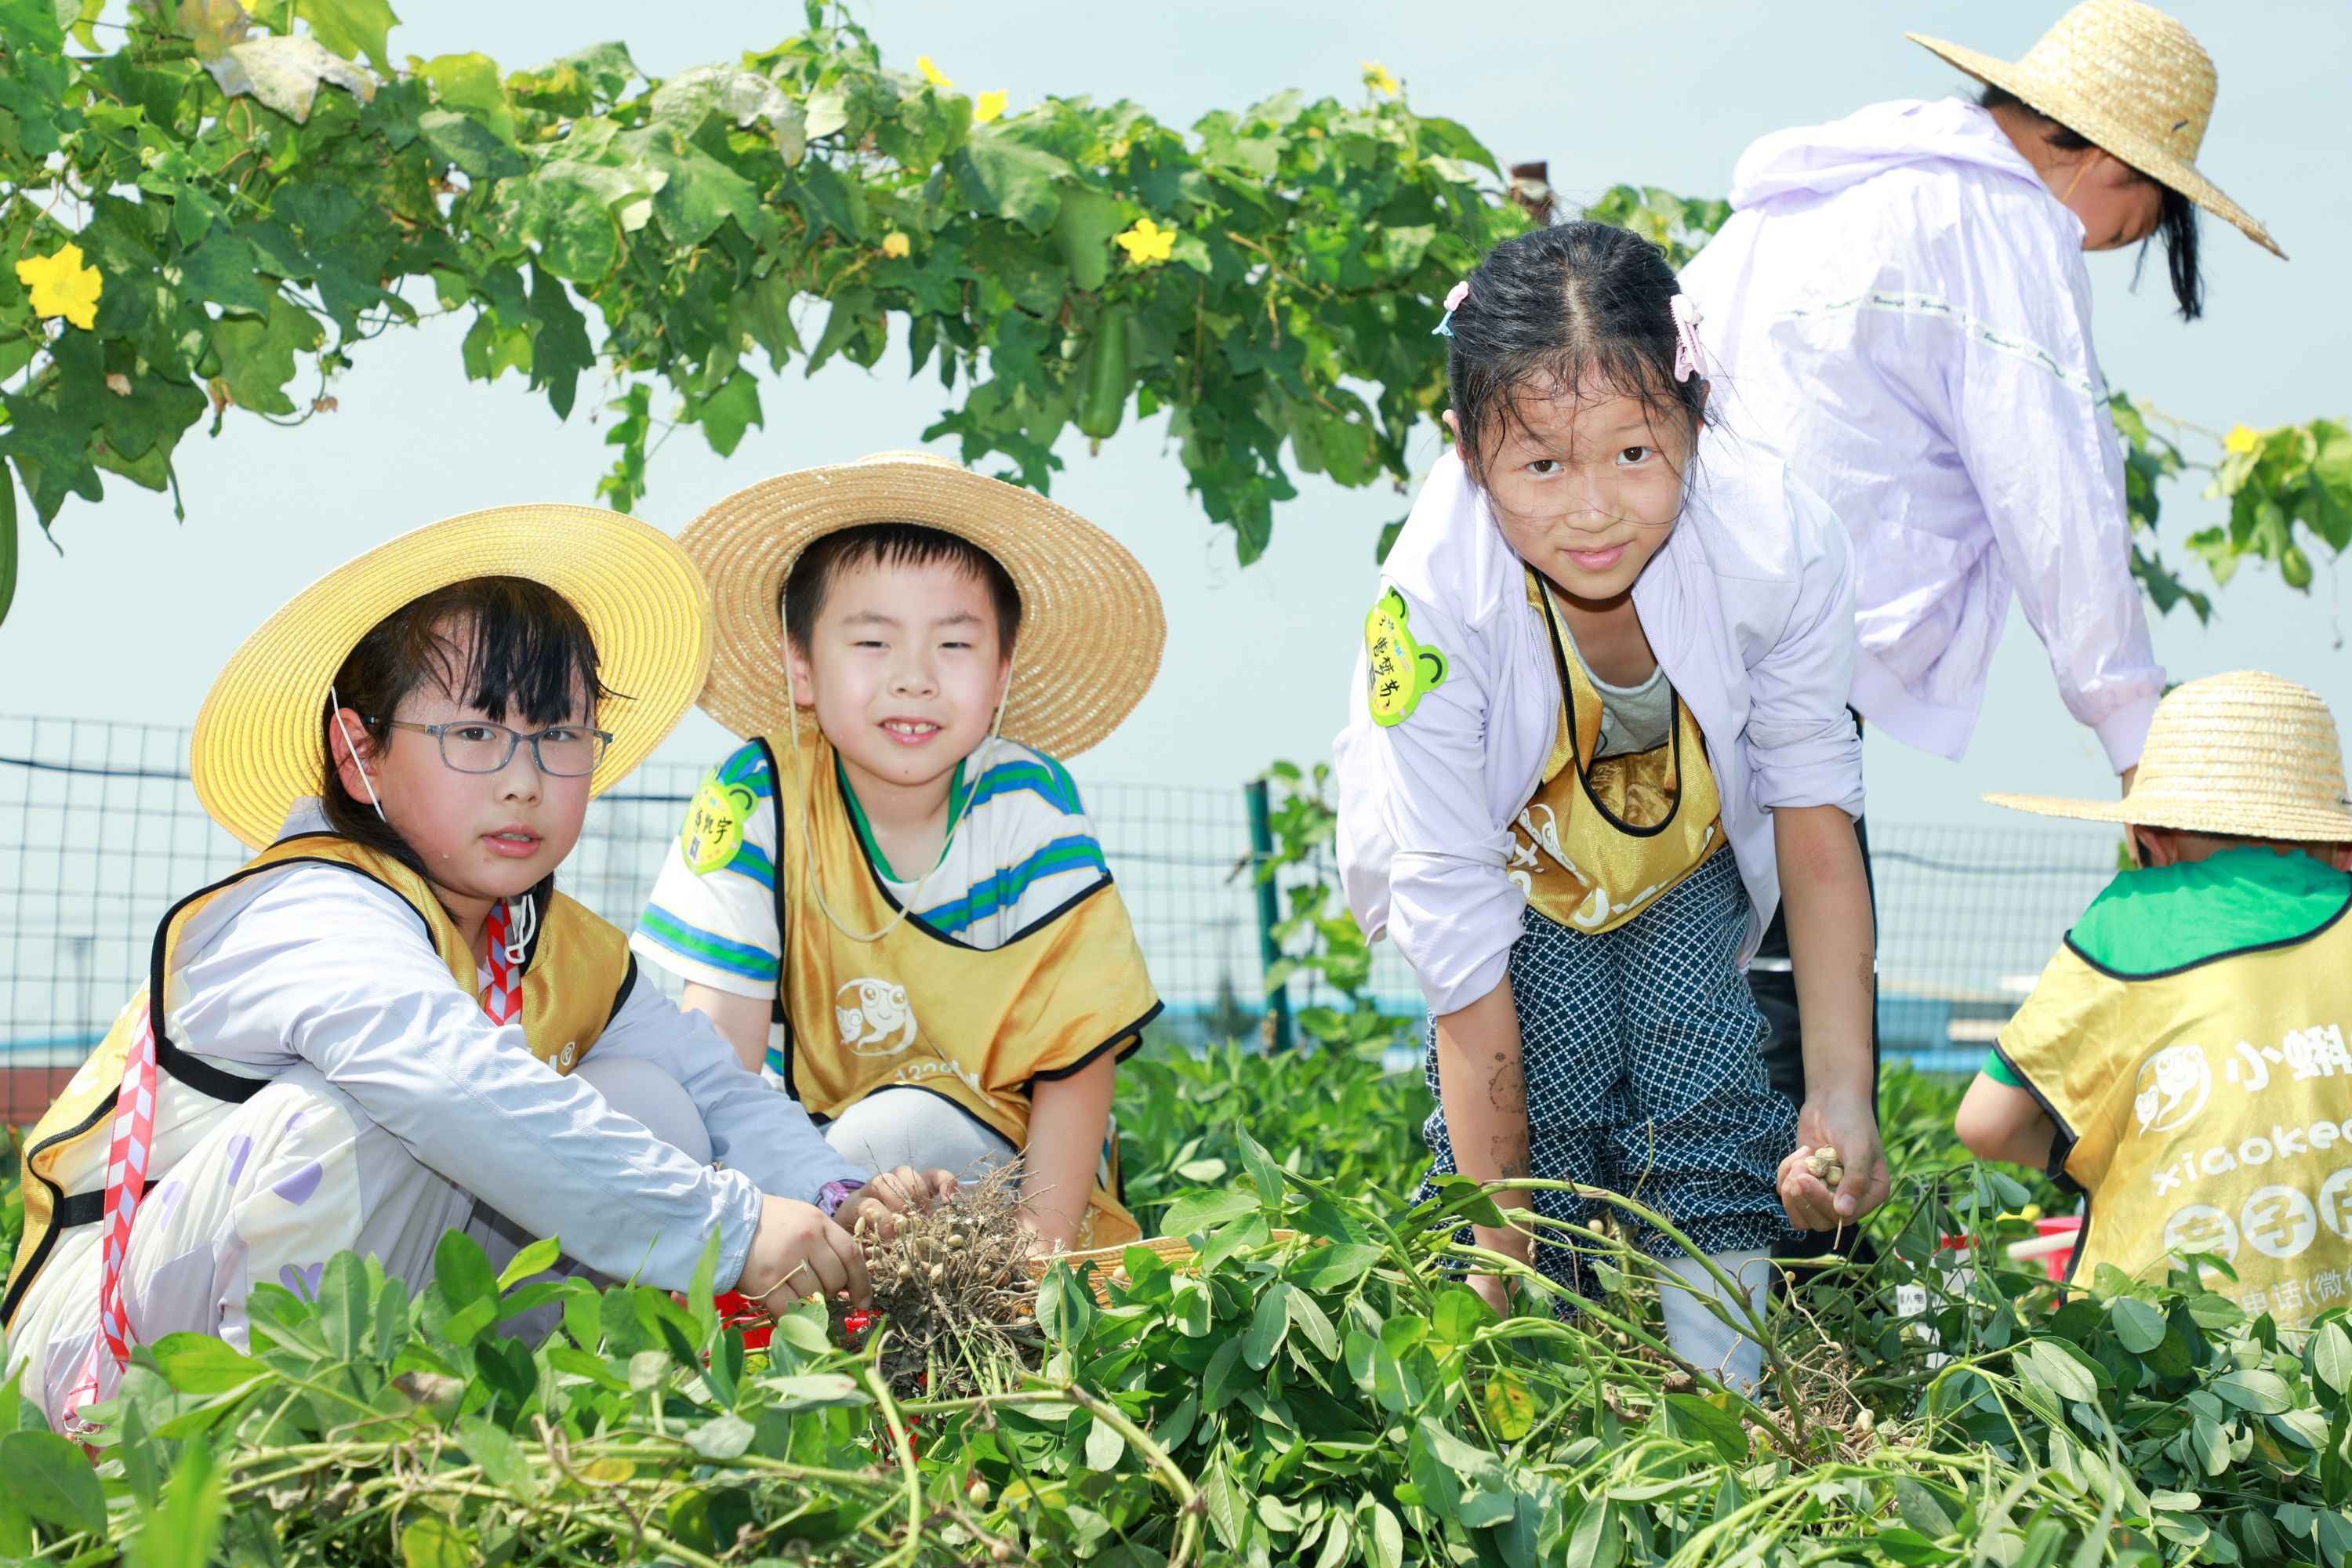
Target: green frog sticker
point(714, 824)
point(1401, 668)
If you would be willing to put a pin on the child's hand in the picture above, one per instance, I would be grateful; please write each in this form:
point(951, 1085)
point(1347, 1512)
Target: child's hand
point(893, 1192)
point(797, 1253)
point(1847, 1129)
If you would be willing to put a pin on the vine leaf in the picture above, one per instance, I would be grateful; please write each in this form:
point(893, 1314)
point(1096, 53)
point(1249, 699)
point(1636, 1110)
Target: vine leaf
point(285, 73)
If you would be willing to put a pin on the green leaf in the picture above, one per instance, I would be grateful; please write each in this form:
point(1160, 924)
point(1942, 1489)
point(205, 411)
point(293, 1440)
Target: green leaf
point(50, 1478)
point(1312, 1322)
point(2057, 1366)
point(257, 356)
point(1269, 1325)
point(726, 412)
point(353, 28)
point(503, 1459)
point(1702, 1420)
point(538, 1256)
point(429, 1540)
point(1265, 1172)
point(2139, 1326)
point(1005, 176)
point(2331, 1356)
point(462, 1270)
point(181, 1529)
point(1105, 1446)
point(199, 1363)
point(473, 146)
point(2263, 1393)
point(228, 270)
point(1198, 1212)
point(7, 540)
point(1335, 1265)
point(344, 1305)
point(1387, 1534)
point(561, 350)
point(724, 1436)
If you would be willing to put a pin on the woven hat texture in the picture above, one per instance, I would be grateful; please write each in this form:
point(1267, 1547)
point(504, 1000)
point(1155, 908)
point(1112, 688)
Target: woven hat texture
point(257, 746)
point(2131, 79)
point(1092, 629)
point(2245, 754)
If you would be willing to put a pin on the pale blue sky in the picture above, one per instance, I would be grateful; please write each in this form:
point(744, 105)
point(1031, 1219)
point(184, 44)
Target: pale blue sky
point(137, 615)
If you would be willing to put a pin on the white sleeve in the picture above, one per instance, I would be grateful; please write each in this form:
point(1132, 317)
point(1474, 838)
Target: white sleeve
point(1803, 747)
point(341, 971)
point(756, 1129)
point(2040, 446)
point(717, 926)
point(1453, 909)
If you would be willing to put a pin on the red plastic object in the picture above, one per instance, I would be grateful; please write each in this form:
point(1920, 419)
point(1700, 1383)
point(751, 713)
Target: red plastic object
point(736, 1311)
point(2056, 1264)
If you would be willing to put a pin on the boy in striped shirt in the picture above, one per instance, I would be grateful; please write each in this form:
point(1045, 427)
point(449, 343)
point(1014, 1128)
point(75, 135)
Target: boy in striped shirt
point(886, 897)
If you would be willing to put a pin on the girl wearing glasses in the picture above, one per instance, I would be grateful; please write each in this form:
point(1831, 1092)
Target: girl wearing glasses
point(389, 1025)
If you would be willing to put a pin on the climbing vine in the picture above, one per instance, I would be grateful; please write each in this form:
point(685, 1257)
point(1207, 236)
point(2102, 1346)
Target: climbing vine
point(207, 210)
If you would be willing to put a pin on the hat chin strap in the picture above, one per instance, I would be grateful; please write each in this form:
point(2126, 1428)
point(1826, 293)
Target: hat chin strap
point(987, 754)
point(349, 746)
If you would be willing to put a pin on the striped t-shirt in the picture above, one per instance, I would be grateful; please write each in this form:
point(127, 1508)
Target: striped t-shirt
point(1023, 851)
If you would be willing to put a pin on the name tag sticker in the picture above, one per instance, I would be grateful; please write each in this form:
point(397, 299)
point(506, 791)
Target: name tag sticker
point(1401, 668)
point(714, 825)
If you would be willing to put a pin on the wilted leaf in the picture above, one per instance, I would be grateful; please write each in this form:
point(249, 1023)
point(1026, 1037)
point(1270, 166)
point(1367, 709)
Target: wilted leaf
point(285, 73)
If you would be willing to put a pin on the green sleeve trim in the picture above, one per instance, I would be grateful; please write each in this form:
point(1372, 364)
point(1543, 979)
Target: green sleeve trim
point(2000, 1071)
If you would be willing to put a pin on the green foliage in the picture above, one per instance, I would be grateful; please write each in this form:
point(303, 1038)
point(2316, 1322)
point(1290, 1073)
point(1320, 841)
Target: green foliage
point(254, 204)
point(1339, 1116)
point(257, 205)
point(1317, 935)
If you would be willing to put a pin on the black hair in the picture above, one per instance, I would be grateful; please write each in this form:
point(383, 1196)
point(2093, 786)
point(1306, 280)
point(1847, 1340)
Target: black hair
point(1579, 304)
point(894, 544)
point(2175, 221)
point(511, 647)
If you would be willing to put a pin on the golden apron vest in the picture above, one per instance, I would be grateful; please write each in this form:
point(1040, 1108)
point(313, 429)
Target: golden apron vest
point(575, 976)
point(1603, 838)
point(2210, 1109)
point(918, 1009)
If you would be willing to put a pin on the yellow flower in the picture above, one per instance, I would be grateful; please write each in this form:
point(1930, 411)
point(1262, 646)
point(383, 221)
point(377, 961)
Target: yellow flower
point(932, 73)
point(896, 244)
point(1146, 244)
point(2239, 440)
point(1380, 76)
point(990, 106)
point(62, 285)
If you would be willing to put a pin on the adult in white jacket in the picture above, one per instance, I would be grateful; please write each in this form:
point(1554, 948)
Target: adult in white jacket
point(1601, 732)
point(1899, 305)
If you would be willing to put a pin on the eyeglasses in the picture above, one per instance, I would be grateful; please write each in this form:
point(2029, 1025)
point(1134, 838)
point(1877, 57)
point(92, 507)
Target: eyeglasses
point(479, 746)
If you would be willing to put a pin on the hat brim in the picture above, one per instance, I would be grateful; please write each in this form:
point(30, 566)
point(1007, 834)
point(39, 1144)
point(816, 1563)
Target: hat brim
point(257, 745)
point(1092, 629)
point(2262, 819)
point(2094, 120)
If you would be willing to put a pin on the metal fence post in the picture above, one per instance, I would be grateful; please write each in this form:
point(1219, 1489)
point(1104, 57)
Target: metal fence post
point(1269, 914)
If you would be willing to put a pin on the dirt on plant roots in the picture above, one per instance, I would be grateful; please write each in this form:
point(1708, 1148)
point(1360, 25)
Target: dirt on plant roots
point(954, 1294)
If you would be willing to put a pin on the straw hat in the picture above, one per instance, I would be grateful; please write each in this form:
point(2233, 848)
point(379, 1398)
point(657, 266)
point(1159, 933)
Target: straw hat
point(257, 746)
point(2247, 755)
point(1091, 625)
point(2129, 77)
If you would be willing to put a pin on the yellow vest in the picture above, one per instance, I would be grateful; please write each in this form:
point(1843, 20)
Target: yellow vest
point(918, 1009)
point(1603, 838)
point(2209, 1109)
point(575, 976)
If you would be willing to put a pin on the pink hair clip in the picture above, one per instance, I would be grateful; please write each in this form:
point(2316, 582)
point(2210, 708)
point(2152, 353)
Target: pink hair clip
point(1453, 297)
point(1687, 362)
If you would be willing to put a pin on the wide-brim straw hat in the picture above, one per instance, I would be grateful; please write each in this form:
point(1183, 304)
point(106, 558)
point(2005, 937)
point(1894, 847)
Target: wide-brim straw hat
point(1091, 625)
point(258, 744)
point(2130, 78)
point(2246, 756)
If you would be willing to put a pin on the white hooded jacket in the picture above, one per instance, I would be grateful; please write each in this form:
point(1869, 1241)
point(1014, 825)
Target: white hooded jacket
point(1747, 605)
point(1899, 306)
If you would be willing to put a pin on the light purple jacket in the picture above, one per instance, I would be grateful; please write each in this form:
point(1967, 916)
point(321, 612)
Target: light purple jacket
point(1750, 608)
point(1900, 307)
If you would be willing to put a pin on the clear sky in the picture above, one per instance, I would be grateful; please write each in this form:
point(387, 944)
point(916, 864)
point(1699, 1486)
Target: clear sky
point(135, 618)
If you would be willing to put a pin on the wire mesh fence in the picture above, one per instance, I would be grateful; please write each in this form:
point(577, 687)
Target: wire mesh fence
point(100, 831)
